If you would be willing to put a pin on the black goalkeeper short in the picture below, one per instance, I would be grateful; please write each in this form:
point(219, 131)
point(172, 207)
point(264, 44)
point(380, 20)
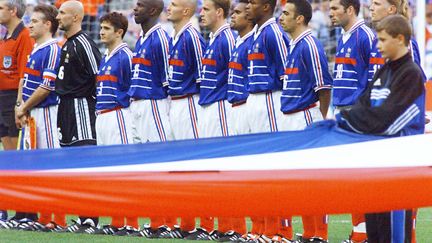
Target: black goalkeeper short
point(76, 121)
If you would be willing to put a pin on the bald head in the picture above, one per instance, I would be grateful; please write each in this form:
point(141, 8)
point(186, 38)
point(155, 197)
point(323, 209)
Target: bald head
point(70, 17)
point(73, 7)
point(180, 11)
point(190, 4)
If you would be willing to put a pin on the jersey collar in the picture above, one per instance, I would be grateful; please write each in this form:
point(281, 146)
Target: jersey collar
point(113, 52)
point(240, 40)
point(217, 33)
point(149, 32)
point(300, 37)
point(355, 26)
point(41, 46)
point(260, 29)
point(177, 35)
point(16, 31)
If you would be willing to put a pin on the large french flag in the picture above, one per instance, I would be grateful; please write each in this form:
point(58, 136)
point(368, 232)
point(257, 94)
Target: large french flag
point(322, 169)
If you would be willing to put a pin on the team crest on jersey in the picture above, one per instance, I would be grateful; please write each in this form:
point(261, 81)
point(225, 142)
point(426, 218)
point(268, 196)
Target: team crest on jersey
point(32, 64)
point(67, 58)
point(176, 54)
point(7, 61)
point(143, 53)
point(348, 54)
point(211, 54)
point(108, 71)
point(256, 50)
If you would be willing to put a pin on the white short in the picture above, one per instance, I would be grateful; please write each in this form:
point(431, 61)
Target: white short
point(214, 120)
point(240, 121)
point(183, 116)
point(46, 127)
point(263, 111)
point(114, 127)
point(300, 120)
point(150, 121)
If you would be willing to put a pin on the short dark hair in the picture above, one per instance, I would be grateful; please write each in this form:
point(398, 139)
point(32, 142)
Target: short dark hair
point(243, 1)
point(272, 3)
point(225, 5)
point(395, 25)
point(50, 13)
point(302, 7)
point(117, 20)
point(354, 3)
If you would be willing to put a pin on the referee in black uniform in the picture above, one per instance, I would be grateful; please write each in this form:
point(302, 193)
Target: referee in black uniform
point(76, 87)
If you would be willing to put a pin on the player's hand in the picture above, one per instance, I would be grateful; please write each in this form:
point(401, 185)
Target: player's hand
point(20, 117)
point(23, 120)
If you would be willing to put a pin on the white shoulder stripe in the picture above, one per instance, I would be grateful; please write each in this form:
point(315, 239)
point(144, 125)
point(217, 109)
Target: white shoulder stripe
point(89, 52)
point(230, 39)
point(165, 52)
point(130, 56)
point(197, 49)
point(370, 34)
point(316, 62)
point(280, 42)
point(52, 57)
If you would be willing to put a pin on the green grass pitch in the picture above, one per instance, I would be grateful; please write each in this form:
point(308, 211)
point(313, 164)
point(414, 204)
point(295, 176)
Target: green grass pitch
point(339, 229)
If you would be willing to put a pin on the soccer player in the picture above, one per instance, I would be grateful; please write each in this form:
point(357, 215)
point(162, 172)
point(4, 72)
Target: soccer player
point(184, 76)
point(216, 111)
point(184, 72)
point(238, 72)
point(392, 105)
point(266, 68)
point(14, 49)
point(149, 84)
point(76, 84)
point(307, 81)
point(354, 66)
point(36, 92)
point(148, 90)
point(353, 53)
point(113, 121)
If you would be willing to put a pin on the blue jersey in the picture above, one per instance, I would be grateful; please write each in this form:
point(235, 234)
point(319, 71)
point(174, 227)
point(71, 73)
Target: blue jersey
point(267, 58)
point(306, 73)
point(40, 71)
point(113, 79)
point(353, 69)
point(214, 77)
point(186, 61)
point(150, 65)
point(238, 72)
